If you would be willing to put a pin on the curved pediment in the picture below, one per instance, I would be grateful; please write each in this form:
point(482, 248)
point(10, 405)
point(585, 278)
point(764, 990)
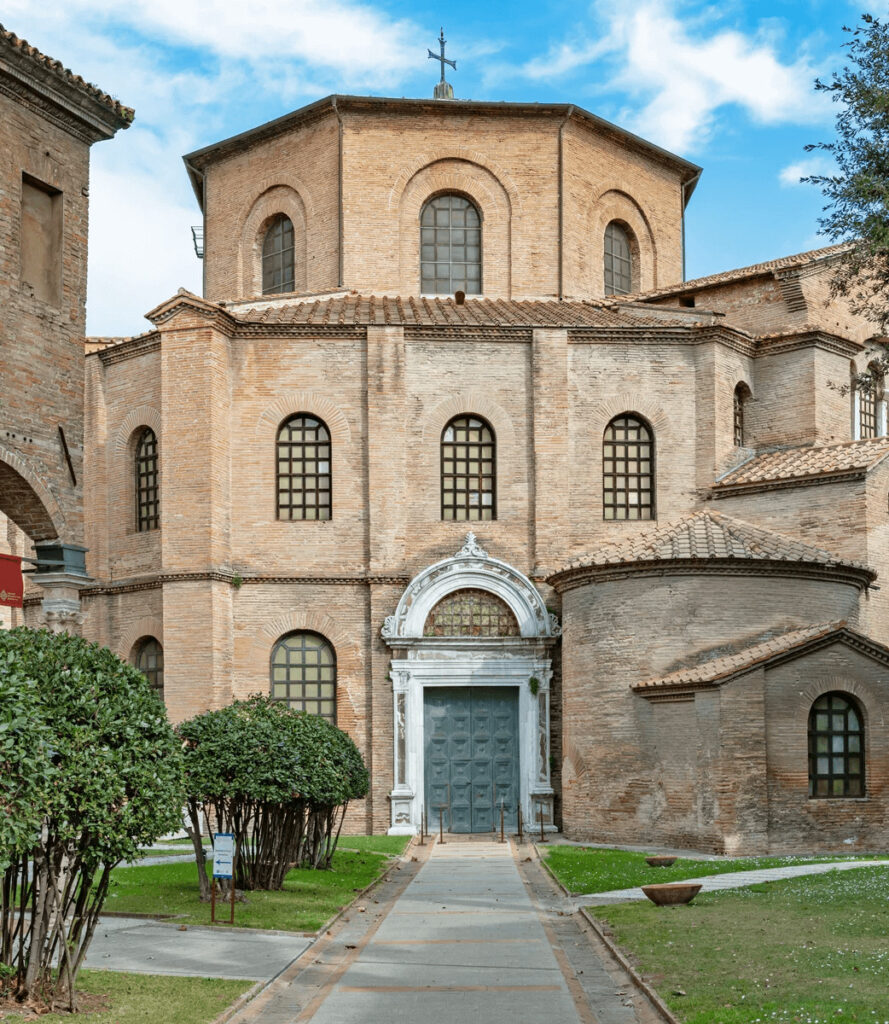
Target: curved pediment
point(471, 568)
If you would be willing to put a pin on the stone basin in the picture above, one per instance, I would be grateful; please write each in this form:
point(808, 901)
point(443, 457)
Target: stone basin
point(661, 860)
point(671, 894)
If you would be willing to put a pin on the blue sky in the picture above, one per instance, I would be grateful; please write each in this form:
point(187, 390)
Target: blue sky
point(728, 86)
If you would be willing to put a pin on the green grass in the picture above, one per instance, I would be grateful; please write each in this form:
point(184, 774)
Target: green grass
point(393, 846)
point(147, 999)
point(308, 899)
point(809, 950)
point(163, 853)
point(584, 870)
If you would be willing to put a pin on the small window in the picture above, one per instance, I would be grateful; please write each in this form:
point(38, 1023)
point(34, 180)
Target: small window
point(147, 482)
point(628, 469)
point(836, 747)
point(450, 247)
point(303, 673)
point(618, 260)
point(471, 613)
point(150, 662)
point(872, 404)
point(468, 470)
point(277, 257)
point(742, 396)
point(303, 469)
point(41, 253)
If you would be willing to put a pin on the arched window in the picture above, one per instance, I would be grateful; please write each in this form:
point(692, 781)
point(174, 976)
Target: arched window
point(871, 402)
point(836, 747)
point(742, 396)
point(628, 469)
point(303, 450)
point(150, 662)
point(618, 260)
point(468, 477)
point(147, 482)
point(303, 672)
point(471, 613)
point(450, 247)
point(277, 256)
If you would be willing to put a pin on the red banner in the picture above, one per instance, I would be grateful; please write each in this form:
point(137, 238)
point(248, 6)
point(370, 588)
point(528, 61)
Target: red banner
point(11, 583)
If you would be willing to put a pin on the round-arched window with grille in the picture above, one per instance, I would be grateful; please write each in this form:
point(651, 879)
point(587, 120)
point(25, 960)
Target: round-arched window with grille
point(628, 469)
point(150, 662)
point(836, 747)
point(450, 247)
point(277, 256)
point(468, 478)
point(303, 673)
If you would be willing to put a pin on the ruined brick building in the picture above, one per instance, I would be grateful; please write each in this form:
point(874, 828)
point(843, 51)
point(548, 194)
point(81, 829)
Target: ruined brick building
point(450, 453)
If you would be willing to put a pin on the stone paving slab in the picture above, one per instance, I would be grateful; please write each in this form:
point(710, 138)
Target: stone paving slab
point(155, 947)
point(729, 880)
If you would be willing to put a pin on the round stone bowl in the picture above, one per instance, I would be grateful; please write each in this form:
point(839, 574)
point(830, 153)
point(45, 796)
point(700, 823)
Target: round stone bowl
point(671, 894)
point(661, 860)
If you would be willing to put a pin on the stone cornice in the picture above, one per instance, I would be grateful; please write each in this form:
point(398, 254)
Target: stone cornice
point(578, 576)
point(159, 580)
point(139, 346)
point(761, 486)
point(793, 340)
point(45, 87)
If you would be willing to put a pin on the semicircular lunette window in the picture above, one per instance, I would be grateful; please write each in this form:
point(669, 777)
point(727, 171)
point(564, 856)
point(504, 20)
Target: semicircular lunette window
point(471, 613)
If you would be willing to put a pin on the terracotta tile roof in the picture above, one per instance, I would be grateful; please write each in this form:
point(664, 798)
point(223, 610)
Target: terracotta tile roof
point(444, 312)
point(705, 535)
point(721, 669)
point(9, 40)
point(809, 463)
point(801, 259)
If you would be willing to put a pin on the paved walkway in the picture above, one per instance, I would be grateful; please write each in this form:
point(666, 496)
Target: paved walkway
point(730, 880)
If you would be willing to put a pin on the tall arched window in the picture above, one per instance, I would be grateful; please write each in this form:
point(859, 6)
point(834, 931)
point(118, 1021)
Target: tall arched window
point(836, 747)
point(303, 450)
point(303, 672)
point(618, 260)
point(277, 256)
point(450, 247)
point(150, 662)
point(468, 476)
point(870, 399)
point(742, 396)
point(147, 482)
point(628, 469)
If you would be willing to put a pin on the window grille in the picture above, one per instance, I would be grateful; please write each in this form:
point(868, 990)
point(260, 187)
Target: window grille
point(628, 469)
point(150, 662)
point(147, 482)
point(471, 613)
point(303, 451)
point(742, 394)
point(467, 470)
point(450, 247)
point(303, 673)
point(836, 747)
point(277, 257)
point(618, 261)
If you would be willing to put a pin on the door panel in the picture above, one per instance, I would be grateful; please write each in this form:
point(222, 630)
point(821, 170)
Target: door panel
point(471, 754)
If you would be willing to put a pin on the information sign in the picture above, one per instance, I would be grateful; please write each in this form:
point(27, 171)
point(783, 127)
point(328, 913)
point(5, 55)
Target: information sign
point(223, 854)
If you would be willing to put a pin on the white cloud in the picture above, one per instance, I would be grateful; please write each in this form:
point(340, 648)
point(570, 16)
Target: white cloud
point(790, 175)
point(685, 72)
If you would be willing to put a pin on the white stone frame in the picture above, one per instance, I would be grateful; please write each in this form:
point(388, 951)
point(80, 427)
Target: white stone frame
point(469, 661)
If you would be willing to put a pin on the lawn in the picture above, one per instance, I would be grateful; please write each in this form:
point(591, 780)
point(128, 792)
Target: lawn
point(806, 950)
point(307, 901)
point(146, 999)
point(585, 870)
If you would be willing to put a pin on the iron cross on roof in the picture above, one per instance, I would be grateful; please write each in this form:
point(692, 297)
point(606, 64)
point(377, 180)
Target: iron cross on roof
point(442, 90)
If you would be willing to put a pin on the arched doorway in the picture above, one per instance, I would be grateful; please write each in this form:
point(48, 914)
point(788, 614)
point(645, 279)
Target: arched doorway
point(471, 670)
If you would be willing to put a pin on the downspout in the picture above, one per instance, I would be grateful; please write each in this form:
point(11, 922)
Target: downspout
point(339, 197)
point(562, 201)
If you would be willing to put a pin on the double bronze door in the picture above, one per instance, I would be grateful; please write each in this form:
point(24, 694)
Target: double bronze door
point(471, 757)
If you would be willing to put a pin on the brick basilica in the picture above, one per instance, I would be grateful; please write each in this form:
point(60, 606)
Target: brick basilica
point(449, 452)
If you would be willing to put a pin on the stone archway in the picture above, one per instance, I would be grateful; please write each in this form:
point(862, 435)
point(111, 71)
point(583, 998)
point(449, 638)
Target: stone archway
point(515, 667)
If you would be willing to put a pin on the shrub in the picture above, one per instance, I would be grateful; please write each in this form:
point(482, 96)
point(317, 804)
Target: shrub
point(279, 780)
point(90, 771)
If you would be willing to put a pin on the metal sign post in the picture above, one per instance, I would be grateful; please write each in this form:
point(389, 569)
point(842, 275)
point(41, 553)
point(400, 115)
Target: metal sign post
point(223, 867)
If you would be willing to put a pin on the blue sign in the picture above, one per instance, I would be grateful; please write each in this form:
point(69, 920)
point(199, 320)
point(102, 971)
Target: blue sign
point(223, 854)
